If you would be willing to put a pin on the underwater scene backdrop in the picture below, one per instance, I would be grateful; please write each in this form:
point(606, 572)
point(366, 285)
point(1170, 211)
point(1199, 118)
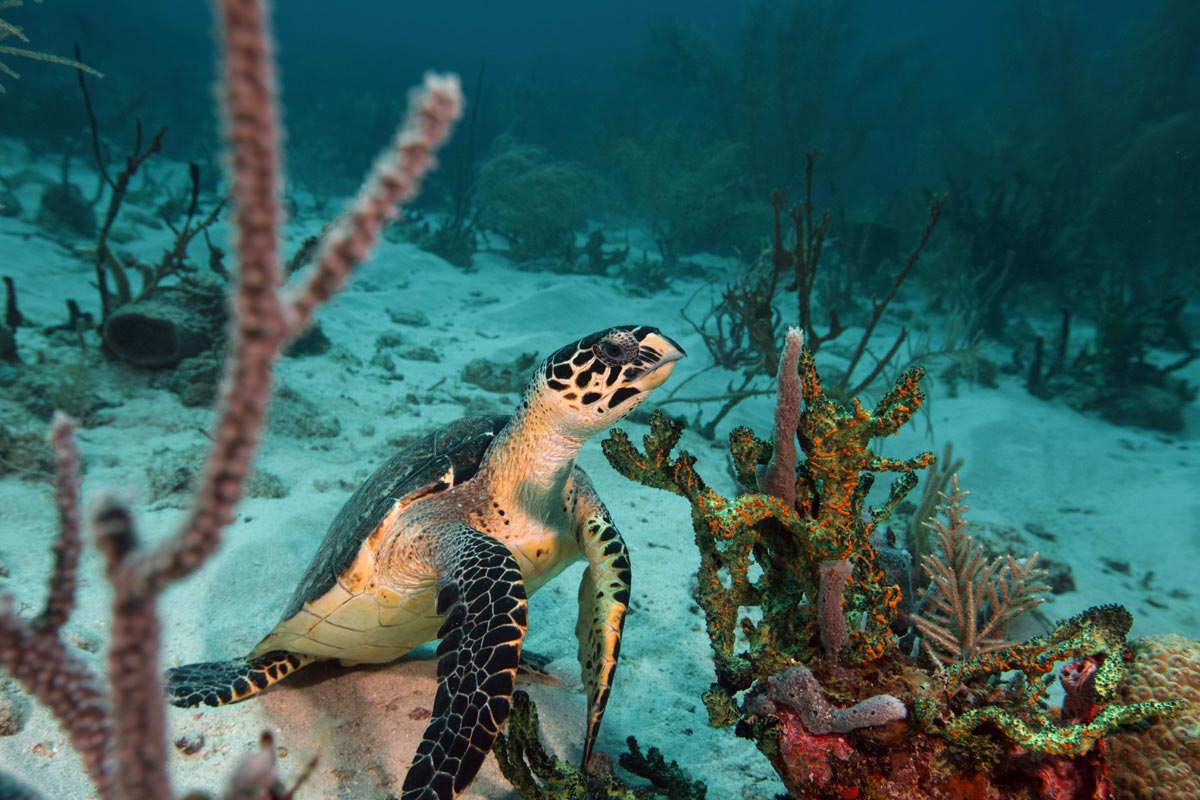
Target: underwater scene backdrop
point(951, 242)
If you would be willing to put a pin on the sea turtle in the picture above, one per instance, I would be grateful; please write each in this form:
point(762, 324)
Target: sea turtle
point(448, 538)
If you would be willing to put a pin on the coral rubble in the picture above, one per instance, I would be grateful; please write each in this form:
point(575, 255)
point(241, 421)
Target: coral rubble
point(538, 775)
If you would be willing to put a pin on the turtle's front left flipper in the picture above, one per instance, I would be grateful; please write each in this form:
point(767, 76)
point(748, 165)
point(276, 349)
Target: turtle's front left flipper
point(482, 597)
point(603, 600)
point(218, 683)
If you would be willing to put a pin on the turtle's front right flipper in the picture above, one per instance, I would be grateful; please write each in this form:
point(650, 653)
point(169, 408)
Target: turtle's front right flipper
point(482, 598)
point(603, 601)
point(219, 683)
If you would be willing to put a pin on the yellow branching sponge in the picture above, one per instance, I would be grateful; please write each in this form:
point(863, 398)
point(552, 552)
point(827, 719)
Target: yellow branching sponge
point(811, 513)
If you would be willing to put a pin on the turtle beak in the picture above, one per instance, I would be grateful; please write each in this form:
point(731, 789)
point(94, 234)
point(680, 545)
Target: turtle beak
point(661, 354)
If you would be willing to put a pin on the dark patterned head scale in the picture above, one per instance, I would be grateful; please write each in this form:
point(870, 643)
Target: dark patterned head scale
point(616, 347)
point(602, 377)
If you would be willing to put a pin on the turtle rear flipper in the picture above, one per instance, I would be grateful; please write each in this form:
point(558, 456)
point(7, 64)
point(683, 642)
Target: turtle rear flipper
point(482, 598)
point(536, 666)
point(219, 683)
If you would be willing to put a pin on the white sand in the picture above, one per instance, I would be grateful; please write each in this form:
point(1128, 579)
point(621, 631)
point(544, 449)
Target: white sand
point(1099, 490)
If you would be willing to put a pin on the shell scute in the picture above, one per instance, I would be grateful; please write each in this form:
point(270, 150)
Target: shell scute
point(337, 609)
point(457, 449)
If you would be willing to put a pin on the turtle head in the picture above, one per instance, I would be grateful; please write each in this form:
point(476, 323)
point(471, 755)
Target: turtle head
point(591, 384)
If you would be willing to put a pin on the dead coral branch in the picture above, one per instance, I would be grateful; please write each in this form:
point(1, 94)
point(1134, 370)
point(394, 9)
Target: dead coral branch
point(741, 331)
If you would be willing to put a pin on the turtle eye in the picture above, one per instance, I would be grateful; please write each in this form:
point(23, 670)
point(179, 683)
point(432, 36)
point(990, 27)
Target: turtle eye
point(616, 348)
point(612, 351)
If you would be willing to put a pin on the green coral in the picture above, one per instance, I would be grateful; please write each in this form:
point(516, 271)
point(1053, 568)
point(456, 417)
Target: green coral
point(538, 775)
point(1098, 631)
point(788, 542)
point(535, 201)
point(1043, 736)
point(1024, 718)
point(766, 551)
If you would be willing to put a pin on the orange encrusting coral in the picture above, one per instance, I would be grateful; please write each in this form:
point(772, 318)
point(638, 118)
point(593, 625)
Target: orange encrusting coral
point(960, 732)
point(789, 536)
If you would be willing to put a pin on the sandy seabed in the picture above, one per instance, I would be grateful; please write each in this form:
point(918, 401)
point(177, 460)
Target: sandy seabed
point(1118, 505)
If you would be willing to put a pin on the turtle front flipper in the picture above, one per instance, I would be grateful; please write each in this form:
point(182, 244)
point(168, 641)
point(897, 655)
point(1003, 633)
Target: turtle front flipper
point(603, 600)
point(482, 596)
point(219, 683)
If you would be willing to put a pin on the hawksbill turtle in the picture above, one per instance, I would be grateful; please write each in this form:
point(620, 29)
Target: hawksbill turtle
point(448, 539)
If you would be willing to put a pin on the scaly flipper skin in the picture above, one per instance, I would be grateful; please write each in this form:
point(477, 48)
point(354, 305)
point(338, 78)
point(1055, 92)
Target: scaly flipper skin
point(219, 683)
point(603, 600)
point(482, 596)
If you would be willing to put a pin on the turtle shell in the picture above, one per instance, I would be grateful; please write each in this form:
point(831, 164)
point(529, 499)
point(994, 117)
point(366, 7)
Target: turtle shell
point(439, 460)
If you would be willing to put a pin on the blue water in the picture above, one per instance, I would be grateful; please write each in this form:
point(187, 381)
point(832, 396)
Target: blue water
point(1064, 137)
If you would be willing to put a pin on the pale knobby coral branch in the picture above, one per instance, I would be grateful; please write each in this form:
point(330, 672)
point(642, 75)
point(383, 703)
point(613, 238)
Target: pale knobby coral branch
point(266, 318)
point(394, 180)
point(36, 655)
point(972, 599)
point(119, 730)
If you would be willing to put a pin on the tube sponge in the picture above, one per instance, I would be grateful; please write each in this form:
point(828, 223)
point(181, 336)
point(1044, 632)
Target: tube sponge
point(798, 690)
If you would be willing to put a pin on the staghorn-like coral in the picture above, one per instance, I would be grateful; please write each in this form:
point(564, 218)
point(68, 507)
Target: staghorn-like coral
point(828, 702)
point(812, 513)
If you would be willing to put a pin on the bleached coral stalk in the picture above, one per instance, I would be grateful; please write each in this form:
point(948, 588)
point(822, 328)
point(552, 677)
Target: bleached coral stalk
point(122, 738)
point(394, 180)
point(264, 318)
point(61, 602)
point(251, 126)
point(140, 737)
point(34, 653)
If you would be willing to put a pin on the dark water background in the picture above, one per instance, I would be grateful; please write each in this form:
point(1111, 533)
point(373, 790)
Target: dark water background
point(1085, 114)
